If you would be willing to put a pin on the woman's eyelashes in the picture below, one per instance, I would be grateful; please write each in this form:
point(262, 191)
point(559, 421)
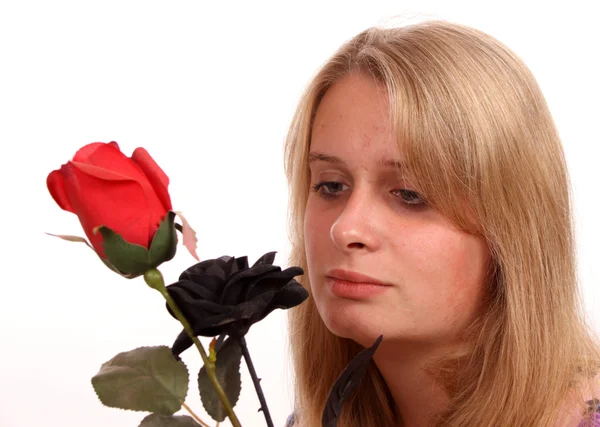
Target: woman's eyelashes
point(410, 197)
point(329, 190)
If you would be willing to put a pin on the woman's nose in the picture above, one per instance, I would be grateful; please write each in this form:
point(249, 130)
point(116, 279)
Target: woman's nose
point(356, 225)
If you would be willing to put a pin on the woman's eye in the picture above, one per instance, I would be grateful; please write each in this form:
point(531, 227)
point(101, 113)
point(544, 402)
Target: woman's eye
point(331, 189)
point(328, 189)
point(410, 197)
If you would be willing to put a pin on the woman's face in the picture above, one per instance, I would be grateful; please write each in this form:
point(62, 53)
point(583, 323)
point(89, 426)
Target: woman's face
point(380, 260)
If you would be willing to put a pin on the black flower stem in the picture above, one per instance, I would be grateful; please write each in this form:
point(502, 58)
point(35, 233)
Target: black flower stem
point(155, 280)
point(256, 381)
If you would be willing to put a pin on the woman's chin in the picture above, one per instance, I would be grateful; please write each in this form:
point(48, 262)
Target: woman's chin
point(358, 328)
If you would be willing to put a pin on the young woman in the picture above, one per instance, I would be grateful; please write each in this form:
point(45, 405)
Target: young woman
point(430, 204)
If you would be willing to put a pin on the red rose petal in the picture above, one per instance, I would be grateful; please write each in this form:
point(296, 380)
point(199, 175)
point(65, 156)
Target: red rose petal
point(144, 160)
point(119, 204)
point(108, 156)
point(101, 173)
point(102, 186)
point(152, 209)
point(58, 191)
point(157, 177)
point(84, 152)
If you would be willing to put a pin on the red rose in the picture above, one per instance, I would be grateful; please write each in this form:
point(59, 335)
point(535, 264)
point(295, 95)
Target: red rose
point(102, 186)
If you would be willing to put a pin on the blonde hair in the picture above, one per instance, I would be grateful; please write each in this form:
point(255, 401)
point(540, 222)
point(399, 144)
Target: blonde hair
point(473, 126)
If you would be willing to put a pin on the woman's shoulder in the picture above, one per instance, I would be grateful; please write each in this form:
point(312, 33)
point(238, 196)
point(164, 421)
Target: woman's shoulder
point(574, 417)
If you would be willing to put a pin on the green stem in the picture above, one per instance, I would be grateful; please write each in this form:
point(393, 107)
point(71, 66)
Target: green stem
point(155, 280)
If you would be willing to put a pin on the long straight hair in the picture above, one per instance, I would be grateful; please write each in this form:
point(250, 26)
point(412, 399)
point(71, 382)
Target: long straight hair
point(473, 126)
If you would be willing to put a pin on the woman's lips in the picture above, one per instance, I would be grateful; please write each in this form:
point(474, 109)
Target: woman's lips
point(353, 285)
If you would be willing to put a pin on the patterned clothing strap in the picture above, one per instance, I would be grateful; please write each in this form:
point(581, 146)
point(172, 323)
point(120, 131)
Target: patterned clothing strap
point(290, 421)
point(592, 418)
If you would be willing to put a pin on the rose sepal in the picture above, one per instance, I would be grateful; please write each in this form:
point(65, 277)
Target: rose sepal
point(131, 260)
point(164, 243)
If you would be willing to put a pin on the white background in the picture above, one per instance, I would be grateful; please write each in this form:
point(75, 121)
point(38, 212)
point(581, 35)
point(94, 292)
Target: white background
point(209, 89)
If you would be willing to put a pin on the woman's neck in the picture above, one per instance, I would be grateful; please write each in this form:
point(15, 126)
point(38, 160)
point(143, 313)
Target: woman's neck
point(418, 395)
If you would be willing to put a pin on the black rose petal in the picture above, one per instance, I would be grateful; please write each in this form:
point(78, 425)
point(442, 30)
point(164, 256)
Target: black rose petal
point(267, 258)
point(234, 289)
point(181, 344)
point(200, 269)
point(254, 271)
point(242, 263)
point(226, 296)
point(266, 282)
point(255, 309)
point(290, 296)
point(210, 289)
point(346, 383)
point(231, 293)
point(199, 313)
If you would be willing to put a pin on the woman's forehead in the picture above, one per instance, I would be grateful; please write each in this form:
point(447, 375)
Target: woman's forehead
point(353, 96)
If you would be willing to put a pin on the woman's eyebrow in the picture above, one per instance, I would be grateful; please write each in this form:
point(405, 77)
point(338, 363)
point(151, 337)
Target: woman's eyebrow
point(396, 164)
point(316, 156)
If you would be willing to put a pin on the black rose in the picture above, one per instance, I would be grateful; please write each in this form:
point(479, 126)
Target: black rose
point(226, 296)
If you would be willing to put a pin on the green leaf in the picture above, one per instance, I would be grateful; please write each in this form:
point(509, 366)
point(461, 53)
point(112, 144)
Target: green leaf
point(164, 242)
point(128, 258)
point(156, 420)
point(228, 373)
point(145, 379)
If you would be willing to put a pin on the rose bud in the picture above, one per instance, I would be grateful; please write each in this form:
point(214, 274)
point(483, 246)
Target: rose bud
point(225, 296)
point(122, 203)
